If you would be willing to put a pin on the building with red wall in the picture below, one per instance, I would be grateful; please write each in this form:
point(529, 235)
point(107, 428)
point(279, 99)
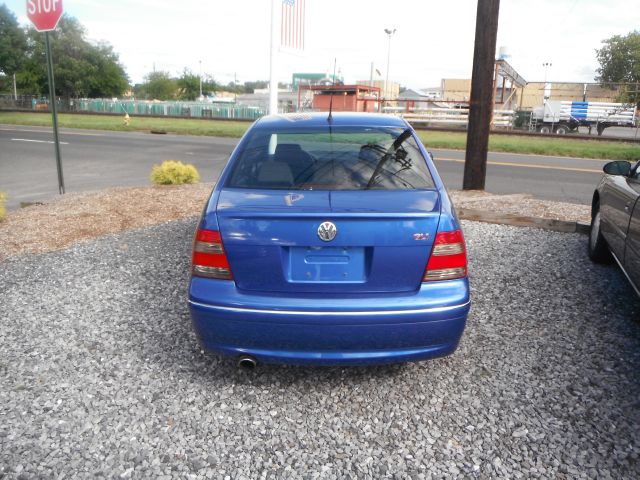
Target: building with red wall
point(343, 98)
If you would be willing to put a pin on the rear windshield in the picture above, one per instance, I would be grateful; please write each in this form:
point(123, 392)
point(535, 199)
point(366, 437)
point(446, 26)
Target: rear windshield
point(346, 158)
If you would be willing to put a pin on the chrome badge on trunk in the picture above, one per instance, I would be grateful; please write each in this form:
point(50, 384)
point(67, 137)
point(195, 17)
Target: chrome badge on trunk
point(327, 231)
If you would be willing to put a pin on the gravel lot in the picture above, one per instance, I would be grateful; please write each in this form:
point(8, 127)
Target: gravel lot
point(100, 375)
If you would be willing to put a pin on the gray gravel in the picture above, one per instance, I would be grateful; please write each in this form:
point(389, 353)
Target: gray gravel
point(100, 375)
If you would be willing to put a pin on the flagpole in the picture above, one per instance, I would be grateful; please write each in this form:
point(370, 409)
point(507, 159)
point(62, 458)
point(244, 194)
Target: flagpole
point(273, 70)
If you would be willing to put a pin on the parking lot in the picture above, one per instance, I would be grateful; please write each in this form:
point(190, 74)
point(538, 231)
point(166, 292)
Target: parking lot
point(101, 375)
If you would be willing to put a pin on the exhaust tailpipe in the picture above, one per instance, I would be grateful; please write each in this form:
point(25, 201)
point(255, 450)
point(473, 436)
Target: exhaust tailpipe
point(247, 363)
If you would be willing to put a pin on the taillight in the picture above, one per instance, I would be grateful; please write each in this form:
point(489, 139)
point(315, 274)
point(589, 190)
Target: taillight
point(448, 258)
point(209, 259)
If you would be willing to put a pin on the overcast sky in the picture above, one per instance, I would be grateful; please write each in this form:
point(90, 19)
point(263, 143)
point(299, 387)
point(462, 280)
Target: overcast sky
point(434, 39)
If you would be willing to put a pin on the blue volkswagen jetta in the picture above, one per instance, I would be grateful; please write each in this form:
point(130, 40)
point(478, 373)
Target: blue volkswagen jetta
point(329, 240)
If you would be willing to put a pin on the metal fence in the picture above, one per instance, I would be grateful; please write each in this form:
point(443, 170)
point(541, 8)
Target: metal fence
point(226, 110)
point(450, 117)
point(22, 102)
point(434, 113)
point(429, 114)
point(173, 109)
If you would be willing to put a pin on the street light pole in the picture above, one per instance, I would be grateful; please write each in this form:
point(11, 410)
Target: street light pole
point(545, 93)
point(389, 32)
point(200, 75)
point(273, 66)
point(235, 87)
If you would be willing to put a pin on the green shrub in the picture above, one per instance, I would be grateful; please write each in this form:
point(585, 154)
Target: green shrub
point(3, 211)
point(173, 172)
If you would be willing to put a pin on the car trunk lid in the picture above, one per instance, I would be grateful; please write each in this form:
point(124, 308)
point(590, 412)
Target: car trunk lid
point(382, 242)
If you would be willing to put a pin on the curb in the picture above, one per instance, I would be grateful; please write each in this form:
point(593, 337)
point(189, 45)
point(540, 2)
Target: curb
point(522, 221)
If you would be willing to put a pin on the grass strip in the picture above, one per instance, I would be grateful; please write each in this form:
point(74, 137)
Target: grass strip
point(562, 147)
point(182, 126)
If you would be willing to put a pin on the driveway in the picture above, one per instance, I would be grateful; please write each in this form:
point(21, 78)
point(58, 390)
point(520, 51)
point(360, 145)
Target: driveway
point(100, 375)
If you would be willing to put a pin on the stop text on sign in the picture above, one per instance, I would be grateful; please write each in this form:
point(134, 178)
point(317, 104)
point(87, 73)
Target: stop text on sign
point(43, 6)
point(44, 14)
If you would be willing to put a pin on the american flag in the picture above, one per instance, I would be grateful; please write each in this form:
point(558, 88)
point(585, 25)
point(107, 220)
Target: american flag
point(292, 24)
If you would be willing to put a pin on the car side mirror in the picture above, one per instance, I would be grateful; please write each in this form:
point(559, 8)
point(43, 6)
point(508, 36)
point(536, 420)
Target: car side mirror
point(619, 167)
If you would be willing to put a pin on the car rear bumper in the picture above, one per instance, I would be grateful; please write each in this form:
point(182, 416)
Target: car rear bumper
point(337, 331)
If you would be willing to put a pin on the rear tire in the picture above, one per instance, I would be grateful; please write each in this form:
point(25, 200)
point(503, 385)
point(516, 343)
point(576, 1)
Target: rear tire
point(597, 247)
point(544, 129)
point(562, 130)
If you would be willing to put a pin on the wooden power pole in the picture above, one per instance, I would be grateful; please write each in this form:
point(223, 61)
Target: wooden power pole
point(481, 101)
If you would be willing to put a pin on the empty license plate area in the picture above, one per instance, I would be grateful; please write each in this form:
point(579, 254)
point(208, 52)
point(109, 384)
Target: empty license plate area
point(327, 264)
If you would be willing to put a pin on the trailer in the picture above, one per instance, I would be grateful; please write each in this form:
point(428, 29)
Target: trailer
point(565, 117)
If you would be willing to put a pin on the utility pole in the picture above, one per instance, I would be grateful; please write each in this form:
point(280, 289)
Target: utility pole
point(481, 101)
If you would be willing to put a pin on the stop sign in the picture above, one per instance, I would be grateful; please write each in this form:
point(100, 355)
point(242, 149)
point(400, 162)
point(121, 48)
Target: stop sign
point(44, 14)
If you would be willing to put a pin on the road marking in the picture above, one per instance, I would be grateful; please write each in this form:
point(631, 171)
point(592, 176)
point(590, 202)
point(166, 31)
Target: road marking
point(84, 134)
point(525, 165)
point(33, 130)
point(36, 141)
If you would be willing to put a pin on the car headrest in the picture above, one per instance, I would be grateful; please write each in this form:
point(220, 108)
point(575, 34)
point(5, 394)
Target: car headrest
point(275, 173)
point(287, 149)
point(290, 153)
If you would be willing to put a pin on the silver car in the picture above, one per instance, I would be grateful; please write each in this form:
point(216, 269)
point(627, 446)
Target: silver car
point(615, 219)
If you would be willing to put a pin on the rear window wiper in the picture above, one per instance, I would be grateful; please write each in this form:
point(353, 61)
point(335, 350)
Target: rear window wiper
point(392, 149)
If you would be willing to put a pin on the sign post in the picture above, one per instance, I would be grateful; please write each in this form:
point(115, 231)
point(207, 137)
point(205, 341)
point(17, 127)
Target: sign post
point(45, 15)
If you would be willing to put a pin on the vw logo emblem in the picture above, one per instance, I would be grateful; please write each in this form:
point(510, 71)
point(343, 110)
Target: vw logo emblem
point(327, 231)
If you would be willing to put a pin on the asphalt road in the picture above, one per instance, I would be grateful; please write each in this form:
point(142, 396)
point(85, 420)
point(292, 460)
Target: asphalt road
point(98, 159)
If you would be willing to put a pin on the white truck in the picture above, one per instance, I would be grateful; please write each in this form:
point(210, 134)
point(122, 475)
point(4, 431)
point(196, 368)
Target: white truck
point(564, 117)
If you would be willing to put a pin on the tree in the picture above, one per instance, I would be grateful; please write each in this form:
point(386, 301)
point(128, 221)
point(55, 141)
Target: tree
point(209, 84)
point(159, 86)
point(13, 43)
point(619, 59)
point(110, 79)
point(249, 87)
point(81, 69)
point(188, 85)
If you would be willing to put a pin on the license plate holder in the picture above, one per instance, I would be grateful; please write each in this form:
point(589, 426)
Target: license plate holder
point(326, 265)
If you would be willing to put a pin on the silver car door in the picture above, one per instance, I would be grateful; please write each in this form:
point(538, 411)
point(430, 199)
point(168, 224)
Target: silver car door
point(632, 250)
point(617, 198)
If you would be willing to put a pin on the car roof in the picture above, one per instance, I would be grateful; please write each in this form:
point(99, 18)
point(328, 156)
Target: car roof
point(319, 119)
